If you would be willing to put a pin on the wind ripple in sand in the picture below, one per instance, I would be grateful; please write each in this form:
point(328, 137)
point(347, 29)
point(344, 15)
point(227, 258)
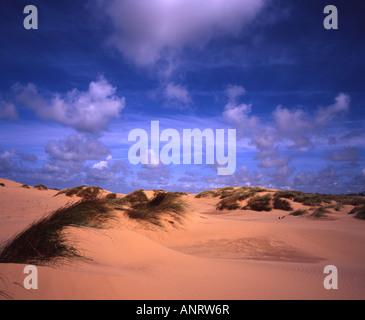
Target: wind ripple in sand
point(249, 248)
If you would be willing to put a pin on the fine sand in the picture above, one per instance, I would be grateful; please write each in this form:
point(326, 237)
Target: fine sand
point(215, 255)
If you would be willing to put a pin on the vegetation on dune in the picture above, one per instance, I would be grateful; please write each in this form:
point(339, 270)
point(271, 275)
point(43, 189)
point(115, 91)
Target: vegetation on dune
point(299, 212)
point(111, 196)
point(281, 204)
point(137, 206)
point(3, 293)
point(45, 240)
point(25, 186)
point(230, 198)
point(2, 185)
point(259, 203)
point(320, 212)
point(40, 187)
point(359, 212)
point(215, 193)
point(82, 192)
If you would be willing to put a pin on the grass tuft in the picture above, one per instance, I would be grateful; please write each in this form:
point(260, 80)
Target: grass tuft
point(230, 198)
point(40, 187)
point(359, 212)
point(45, 240)
point(82, 192)
point(299, 212)
point(139, 207)
point(259, 203)
point(111, 196)
point(320, 212)
point(282, 204)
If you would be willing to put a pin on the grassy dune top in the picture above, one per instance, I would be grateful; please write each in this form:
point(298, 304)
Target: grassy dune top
point(261, 199)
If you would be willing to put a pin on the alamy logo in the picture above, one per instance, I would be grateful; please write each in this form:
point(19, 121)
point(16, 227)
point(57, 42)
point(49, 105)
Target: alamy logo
point(331, 281)
point(143, 153)
point(31, 20)
point(331, 21)
point(31, 281)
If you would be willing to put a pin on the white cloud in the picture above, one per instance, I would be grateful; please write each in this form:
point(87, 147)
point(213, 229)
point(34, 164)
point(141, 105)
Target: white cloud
point(328, 114)
point(103, 164)
point(147, 30)
point(76, 148)
point(85, 111)
point(236, 113)
point(233, 92)
point(8, 111)
point(176, 94)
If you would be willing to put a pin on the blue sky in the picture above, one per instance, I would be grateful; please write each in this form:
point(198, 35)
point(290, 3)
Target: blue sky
point(71, 91)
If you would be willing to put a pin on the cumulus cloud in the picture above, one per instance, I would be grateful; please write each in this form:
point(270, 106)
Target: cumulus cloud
point(177, 96)
point(8, 110)
point(290, 131)
point(88, 111)
point(239, 114)
point(103, 164)
point(77, 148)
point(146, 31)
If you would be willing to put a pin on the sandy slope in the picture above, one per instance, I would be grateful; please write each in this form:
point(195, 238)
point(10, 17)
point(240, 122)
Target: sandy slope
point(229, 255)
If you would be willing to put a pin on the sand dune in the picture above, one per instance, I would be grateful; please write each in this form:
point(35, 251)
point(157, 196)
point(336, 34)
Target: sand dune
point(209, 254)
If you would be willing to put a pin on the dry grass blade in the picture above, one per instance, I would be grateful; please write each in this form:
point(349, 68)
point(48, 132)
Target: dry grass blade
point(45, 240)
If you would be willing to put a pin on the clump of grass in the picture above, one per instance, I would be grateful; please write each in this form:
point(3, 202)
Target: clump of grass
point(25, 186)
point(3, 293)
point(40, 187)
point(338, 207)
point(299, 212)
point(137, 196)
point(82, 192)
point(282, 204)
point(226, 191)
point(179, 193)
point(230, 200)
point(229, 203)
point(353, 200)
point(320, 212)
point(359, 212)
point(307, 199)
point(2, 185)
point(206, 194)
point(259, 203)
point(45, 240)
point(151, 210)
point(111, 196)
